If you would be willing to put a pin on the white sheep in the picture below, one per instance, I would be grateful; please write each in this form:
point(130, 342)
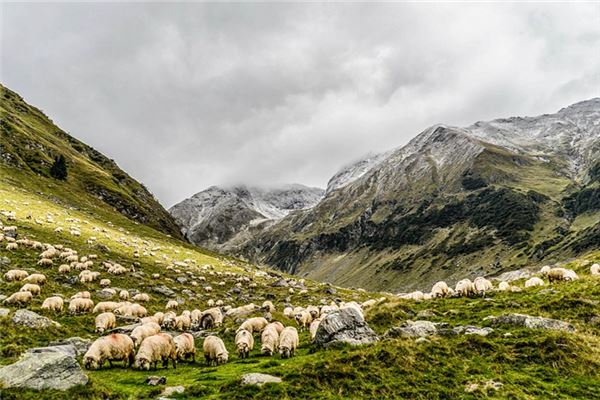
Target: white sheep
point(214, 350)
point(303, 318)
point(64, 269)
point(269, 340)
point(244, 342)
point(106, 306)
point(141, 297)
point(465, 287)
point(20, 298)
point(124, 295)
point(183, 322)
point(561, 274)
point(105, 321)
point(482, 285)
point(211, 318)
point(104, 282)
point(80, 305)
point(12, 246)
point(313, 328)
point(503, 286)
point(440, 289)
point(45, 262)
point(535, 281)
point(288, 342)
point(141, 332)
point(53, 303)
point(171, 305)
point(155, 348)
point(268, 306)
point(81, 295)
point(256, 324)
point(185, 346)
point(31, 287)
point(15, 275)
point(595, 269)
point(114, 347)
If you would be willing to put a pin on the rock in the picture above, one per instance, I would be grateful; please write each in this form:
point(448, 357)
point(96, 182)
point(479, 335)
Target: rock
point(280, 283)
point(472, 330)
point(425, 314)
point(80, 345)
point(528, 321)
point(489, 385)
point(422, 340)
point(181, 279)
point(46, 370)
point(345, 326)
point(3, 297)
point(32, 320)
point(127, 319)
point(165, 291)
point(4, 312)
point(188, 293)
point(105, 294)
point(156, 380)
point(514, 275)
point(259, 379)
point(4, 261)
point(171, 390)
point(331, 291)
point(412, 329)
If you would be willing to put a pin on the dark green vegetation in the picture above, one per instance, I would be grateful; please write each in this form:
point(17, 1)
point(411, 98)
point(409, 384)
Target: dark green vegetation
point(30, 143)
point(59, 168)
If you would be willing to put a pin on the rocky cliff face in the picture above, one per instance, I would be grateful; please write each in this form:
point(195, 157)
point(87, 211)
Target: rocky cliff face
point(452, 202)
point(218, 216)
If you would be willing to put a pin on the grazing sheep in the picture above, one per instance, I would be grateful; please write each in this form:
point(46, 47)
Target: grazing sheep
point(31, 287)
point(313, 328)
point(39, 279)
point(80, 305)
point(215, 352)
point(134, 310)
point(15, 275)
point(561, 274)
point(269, 340)
point(595, 269)
point(268, 306)
point(440, 289)
point(54, 303)
point(314, 311)
point(12, 246)
point(502, 286)
point(141, 297)
point(64, 269)
point(544, 270)
point(172, 305)
point(159, 347)
point(124, 295)
point(159, 316)
point(535, 281)
point(149, 319)
point(288, 342)
point(211, 318)
point(256, 324)
point(482, 285)
point(81, 295)
point(195, 316)
point(244, 343)
point(277, 325)
point(185, 346)
point(45, 262)
point(106, 306)
point(465, 288)
point(20, 298)
point(114, 347)
point(303, 318)
point(143, 331)
point(105, 321)
point(183, 322)
point(104, 282)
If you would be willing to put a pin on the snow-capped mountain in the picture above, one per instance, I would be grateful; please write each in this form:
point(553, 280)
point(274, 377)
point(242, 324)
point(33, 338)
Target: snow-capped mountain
point(216, 215)
point(354, 171)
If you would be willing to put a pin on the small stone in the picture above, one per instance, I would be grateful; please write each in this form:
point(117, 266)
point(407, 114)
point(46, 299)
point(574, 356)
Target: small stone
point(4, 312)
point(171, 390)
point(422, 340)
point(164, 290)
point(259, 379)
point(156, 380)
point(425, 314)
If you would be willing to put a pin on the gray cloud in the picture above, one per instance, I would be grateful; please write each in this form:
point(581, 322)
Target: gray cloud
point(188, 95)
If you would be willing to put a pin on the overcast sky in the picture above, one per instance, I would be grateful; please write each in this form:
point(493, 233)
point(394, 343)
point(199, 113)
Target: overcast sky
point(184, 96)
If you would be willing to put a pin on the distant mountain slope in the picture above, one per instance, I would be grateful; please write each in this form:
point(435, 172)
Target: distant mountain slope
point(217, 216)
point(29, 141)
point(452, 202)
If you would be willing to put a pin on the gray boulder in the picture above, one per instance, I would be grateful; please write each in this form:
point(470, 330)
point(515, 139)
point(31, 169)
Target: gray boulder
point(46, 370)
point(412, 329)
point(527, 321)
point(4, 261)
point(32, 320)
point(4, 312)
point(79, 345)
point(346, 326)
point(106, 294)
point(259, 379)
point(164, 290)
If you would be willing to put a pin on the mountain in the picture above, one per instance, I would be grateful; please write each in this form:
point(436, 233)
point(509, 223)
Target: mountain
point(216, 217)
point(29, 142)
point(476, 200)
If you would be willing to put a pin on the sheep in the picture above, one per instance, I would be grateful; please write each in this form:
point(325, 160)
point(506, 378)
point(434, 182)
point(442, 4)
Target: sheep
point(365, 304)
point(159, 347)
point(502, 286)
point(104, 282)
point(31, 287)
point(595, 269)
point(214, 350)
point(465, 288)
point(269, 340)
point(277, 325)
point(80, 305)
point(268, 306)
point(141, 297)
point(64, 269)
point(535, 281)
point(81, 295)
point(141, 332)
point(213, 317)
point(105, 321)
point(15, 275)
point(244, 342)
point(171, 305)
point(328, 309)
point(124, 295)
point(561, 274)
point(440, 289)
point(313, 311)
point(134, 310)
point(12, 246)
point(45, 262)
point(54, 303)
point(20, 298)
point(303, 319)
point(159, 316)
point(256, 324)
point(288, 342)
point(114, 347)
point(183, 322)
point(195, 316)
point(106, 306)
point(184, 344)
point(312, 329)
point(544, 270)
point(482, 285)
